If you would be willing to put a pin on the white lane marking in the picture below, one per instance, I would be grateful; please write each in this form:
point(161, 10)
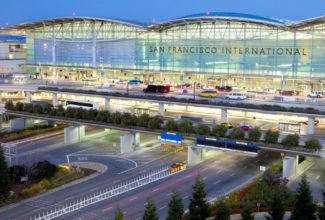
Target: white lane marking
point(161, 208)
point(188, 176)
point(216, 182)
point(317, 177)
point(133, 198)
point(155, 189)
point(219, 171)
point(185, 197)
point(204, 178)
point(169, 194)
point(258, 160)
point(233, 174)
point(106, 209)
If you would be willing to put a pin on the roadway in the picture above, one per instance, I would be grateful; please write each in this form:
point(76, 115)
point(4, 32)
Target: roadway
point(221, 174)
point(96, 149)
point(224, 171)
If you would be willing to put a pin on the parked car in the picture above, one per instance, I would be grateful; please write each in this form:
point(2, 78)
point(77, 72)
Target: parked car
point(224, 88)
point(208, 93)
point(237, 96)
point(315, 94)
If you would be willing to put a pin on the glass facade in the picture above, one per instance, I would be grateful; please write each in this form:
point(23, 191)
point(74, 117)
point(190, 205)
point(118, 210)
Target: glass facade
point(213, 46)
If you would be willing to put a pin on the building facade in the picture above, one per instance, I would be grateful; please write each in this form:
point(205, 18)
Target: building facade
point(12, 54)
point(215, 47)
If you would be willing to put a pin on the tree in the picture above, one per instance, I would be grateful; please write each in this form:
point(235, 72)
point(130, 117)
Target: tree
point(143, 120)
point(19, 106)
point(304, 207)
point(150, 212)
point(275, 208)
point(9, 105)
point(154, 123)
point(237, 133)
point(254, 134)
point(202, 129)
point(118, 213)
point(321, 209)
point(175, 207)
point(198, 208)
point(219, 130)
point(186, 127)
point(246, 213)
point(171, 125)
point(5, 184)
point(313, 144)
point(223, 211)
point(291, 140)
point(271, 137)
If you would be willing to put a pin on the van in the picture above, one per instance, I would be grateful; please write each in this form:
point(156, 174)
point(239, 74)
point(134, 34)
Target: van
point(236, 96)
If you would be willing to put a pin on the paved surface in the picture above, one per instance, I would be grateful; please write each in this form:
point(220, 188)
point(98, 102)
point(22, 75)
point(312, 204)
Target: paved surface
point(316, 177)
point(221, 174)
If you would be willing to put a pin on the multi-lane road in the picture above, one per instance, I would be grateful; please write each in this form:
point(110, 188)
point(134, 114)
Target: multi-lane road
point(221, 173)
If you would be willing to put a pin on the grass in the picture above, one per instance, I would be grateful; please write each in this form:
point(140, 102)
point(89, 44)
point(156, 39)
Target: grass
point(62, 176)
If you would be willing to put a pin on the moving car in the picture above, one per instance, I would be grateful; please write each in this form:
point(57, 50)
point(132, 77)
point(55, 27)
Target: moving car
point(245, 127)
point(315, 94)
point(135, 82)
point(157, 89)
point(236, 96)
point(178, 166)
point(227, 124)
point(208, 93)
point(288, 93)
point(224, 88)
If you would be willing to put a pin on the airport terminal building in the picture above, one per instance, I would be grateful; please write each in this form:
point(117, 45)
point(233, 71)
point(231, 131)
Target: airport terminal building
point(215, 48)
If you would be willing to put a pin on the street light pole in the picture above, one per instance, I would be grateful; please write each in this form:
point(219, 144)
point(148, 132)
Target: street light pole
point(194, 84)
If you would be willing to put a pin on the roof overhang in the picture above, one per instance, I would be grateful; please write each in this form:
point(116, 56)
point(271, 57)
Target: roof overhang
point(308, 22)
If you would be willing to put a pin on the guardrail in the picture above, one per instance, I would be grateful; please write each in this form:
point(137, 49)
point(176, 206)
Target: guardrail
point(101, 195)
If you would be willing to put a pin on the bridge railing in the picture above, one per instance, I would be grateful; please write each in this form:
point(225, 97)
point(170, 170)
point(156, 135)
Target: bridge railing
point(104, 194)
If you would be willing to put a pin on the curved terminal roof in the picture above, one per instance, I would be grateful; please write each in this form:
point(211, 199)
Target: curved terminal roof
point(53, 21)
point(200, 17)
point(228, 16)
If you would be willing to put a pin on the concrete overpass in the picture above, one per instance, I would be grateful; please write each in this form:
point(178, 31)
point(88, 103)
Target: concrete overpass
point(133, 129)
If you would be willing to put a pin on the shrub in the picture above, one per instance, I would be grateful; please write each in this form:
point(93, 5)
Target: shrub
point(254, 134)
point(16, 172)
point(313, 144)
point(291, 140)
point(202, 129)
point(237, 133)
point(220, 130)
point(186, 127)
point(36, 188)
point(42, 169)
point(127, 119)
point(171, 125)
point(271, 137)
point(116, 118)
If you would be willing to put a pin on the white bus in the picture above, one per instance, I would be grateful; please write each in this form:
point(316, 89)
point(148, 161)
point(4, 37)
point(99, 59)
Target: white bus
point(81, 104)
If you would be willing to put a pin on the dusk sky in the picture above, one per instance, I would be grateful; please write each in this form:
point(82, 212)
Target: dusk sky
point(17, 11)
